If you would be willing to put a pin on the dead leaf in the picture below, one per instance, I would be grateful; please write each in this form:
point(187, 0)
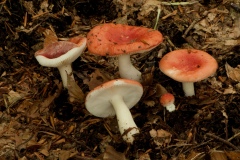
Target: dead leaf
point(12, 98)
point(218, 155)
point(74, 90)
point(229, 90)
point(233, 155)
point(148, 7)
point(64, 154)
point(144, 156)
point(97, 78)
point(161, 137)
point(194, 155)
point(110, 154)
point(149, 103)
point(45, 104)
point(233, 73)
point(50, 37)
point(160, 90)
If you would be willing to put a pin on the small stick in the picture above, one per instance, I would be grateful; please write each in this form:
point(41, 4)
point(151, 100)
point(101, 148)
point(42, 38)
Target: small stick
point(189, 28)
point(158, 15)
point(222, 140)
point(177, 3)
point(235, 7)
point(193, 23)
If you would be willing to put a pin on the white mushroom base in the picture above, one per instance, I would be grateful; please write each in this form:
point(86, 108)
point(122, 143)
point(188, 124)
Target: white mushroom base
point(127, 126)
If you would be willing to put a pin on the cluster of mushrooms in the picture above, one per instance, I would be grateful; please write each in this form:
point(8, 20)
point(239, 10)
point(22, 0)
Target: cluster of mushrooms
point(117, 96)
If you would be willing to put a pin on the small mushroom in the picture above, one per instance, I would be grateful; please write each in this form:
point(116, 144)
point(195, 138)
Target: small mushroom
point(122, 40)
point(167, 100)
point(61, 54)
point(188, 66)
point(116, 97)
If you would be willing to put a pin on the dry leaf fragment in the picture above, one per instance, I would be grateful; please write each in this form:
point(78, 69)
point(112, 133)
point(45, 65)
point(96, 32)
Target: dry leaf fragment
point(161, 137)
point(229, 90)
point(74, 90)
point(50, 37)
point(98, 77)
point(195, 155)
point(110, 154)
point(233, 155)
point(148, 7)
point(233, 73)
point(218, 155)
point(144, 156)
point(11, 98)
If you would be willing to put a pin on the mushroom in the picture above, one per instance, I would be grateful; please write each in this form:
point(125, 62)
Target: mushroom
point(167, 100)
point(61, 54)
point(188, 66)
point(116, 97)
point(122, 40)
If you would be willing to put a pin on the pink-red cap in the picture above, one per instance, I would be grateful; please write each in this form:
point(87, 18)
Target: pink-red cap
point(188, 65)
point(115, 39)
point(61, 52)
point(167, 99)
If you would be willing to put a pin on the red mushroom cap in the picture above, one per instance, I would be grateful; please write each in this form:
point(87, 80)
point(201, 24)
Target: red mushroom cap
point(62, 52)
point(56, 49)
point(116, 39)
point(188, 65)
point(167, 99)
point(59, 48)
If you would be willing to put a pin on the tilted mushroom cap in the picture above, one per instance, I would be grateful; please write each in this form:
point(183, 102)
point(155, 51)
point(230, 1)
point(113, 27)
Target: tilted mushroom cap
point(62, 52)
point(115, 39)
point(98, 100)
point(188, 65)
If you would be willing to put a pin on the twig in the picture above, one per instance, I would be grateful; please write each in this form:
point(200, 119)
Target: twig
point(25, 141)
point(177, 3)
point(189, 28)
point(193, 23)
point(158, 15)
point(170, 42)
point(222, 140)
point(199, 145)
point(235, 7)
point(234, 136)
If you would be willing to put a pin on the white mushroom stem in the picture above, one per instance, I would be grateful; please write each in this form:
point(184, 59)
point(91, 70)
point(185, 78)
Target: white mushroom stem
point(188, 88)
point(64, 71)
point(127, 70)
point(126, 124)
point(171, 107)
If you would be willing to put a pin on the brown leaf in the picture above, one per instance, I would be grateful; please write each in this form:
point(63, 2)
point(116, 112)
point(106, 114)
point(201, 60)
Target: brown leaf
point(233, 73)
point(50, 37)
point(98, 77)
point(110, 154)
point(160, 137)
point(218, 155)
point(74, 90)
point(233, 155)
point(144, 156)
point(160, 90)
point(194, 155)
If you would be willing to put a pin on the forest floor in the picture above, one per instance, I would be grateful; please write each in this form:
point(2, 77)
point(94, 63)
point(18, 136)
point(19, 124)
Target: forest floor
point(39, 121)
